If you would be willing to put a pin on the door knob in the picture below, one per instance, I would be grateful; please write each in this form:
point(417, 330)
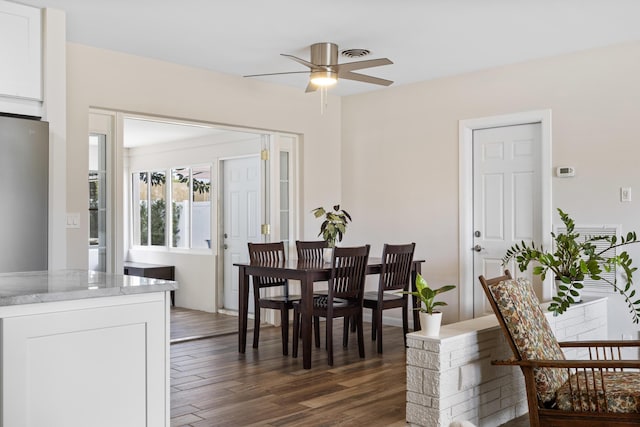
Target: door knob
point(225, 235)
point(477, 248)
point(225, 246)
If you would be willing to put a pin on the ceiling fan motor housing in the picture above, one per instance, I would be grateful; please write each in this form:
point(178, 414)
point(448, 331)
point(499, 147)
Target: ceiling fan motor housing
point(324, 54)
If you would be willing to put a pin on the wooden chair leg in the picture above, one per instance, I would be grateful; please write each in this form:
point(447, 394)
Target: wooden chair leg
point(353, 323)
point(360, 330)
point(330, 340)
point(326, 341)
point(345, 332)
point(373, 324)
point(316, 330)
point(256, 325)
point(284, 326)
point(379, 328)
point(297, 330)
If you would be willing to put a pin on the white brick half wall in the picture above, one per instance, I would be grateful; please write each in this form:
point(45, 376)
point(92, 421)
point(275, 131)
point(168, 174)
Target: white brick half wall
point(450, 377)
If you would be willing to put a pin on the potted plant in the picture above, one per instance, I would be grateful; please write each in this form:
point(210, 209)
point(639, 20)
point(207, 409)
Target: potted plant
point(574, 259)
point(334, 225)
point(430, 318)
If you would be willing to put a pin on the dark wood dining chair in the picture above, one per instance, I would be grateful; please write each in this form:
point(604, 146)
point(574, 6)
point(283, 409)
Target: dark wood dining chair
point(602, 391)
point(344, 298)
point(267, 253)
point(311, 250)
point(395, 277)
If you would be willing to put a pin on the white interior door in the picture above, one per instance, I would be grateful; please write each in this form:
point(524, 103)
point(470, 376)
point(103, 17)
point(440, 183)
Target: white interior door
point(506, 198)
point(242, 219)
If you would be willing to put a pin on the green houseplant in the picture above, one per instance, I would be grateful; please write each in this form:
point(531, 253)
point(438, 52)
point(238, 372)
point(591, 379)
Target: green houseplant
point(430, 318)
point(574, 259)
point(334, 225)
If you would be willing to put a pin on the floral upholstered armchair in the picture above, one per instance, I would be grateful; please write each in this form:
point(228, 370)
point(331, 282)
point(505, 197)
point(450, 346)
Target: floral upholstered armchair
point(601, 391)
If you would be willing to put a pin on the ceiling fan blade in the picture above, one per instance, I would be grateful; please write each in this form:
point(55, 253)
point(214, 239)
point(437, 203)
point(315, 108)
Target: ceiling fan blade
point(363, 78)
point(311, 88)
point(275, 74)
point(358, 65)
point(300, 61)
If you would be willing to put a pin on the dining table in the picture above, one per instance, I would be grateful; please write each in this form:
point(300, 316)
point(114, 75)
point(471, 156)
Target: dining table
point(308, 273)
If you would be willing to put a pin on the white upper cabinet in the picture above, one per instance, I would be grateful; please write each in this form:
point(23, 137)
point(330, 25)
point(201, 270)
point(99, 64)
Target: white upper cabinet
point(20, 51)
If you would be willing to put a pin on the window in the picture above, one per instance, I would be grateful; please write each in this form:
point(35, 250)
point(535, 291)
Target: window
point(201, 207)
point(191, 196)
point(180, 194)
point(286, 146)
point(157, 208)
point(189, 215)
point(140, 208)
point(284, 197)
point(97, 202)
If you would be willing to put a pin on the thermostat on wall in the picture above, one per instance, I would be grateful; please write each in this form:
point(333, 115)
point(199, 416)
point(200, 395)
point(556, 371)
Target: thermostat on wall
point(565, 171)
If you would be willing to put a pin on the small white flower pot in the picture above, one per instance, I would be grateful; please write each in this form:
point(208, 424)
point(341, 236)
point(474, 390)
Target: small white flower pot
point(576, 299)
point(327, 254)
point(430, 324)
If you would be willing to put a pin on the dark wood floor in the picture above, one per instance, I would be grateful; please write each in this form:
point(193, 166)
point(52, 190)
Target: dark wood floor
point(189, 324)
point(213, 385)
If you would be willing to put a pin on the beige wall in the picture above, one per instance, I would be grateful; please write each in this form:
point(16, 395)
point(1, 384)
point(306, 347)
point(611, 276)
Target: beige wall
point(399, 146)
point(400, 152)
point(120, 82)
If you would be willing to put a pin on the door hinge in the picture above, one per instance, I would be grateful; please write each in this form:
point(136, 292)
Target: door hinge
point(264, 155)
point(265, 229)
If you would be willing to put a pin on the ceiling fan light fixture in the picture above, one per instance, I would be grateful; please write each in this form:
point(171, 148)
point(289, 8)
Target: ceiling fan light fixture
point(323, 78)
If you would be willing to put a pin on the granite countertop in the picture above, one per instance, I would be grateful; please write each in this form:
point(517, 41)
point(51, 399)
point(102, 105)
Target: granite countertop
point(65, 285)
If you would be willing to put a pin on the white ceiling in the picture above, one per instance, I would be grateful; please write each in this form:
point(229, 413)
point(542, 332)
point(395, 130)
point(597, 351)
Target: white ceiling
point(425, 39)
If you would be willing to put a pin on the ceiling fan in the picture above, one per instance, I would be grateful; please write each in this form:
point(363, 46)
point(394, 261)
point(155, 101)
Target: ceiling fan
point(324, 69)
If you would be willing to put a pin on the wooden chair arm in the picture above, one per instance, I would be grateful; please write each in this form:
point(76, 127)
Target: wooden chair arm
point(567, 364)
point(620, 343)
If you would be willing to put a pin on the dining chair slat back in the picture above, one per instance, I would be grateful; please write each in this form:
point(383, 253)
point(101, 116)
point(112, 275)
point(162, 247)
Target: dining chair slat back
point(271, 254)
point(396, 267)
point(348, 273)
point(311, 250)
point(395, 275)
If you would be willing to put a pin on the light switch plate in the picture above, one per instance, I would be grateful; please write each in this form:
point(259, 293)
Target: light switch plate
point(625, 194)
point(73, 220)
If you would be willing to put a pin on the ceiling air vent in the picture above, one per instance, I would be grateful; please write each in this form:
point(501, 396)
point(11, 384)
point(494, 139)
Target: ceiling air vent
point(355, 53)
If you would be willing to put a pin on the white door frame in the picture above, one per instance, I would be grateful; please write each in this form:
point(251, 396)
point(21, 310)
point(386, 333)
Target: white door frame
point(109, 123)
point(465, 192)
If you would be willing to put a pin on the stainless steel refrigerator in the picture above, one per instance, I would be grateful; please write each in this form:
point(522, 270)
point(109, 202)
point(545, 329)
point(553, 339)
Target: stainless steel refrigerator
point(24, 193)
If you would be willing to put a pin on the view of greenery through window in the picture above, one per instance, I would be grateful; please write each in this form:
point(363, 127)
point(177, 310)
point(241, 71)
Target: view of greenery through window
point(190, 207)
